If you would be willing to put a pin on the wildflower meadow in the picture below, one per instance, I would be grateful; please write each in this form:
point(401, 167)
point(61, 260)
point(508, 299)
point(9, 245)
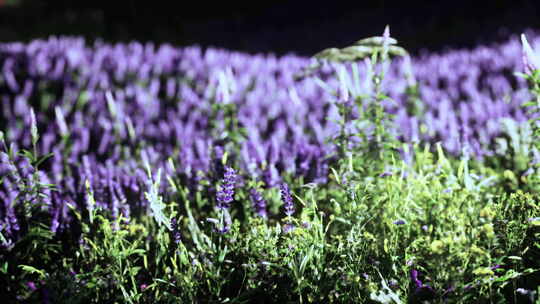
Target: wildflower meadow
point(142, 173)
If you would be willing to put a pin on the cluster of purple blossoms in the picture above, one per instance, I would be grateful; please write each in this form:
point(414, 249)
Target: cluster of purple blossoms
point(259, 204)
point(289, 206)
point(226, 192)
point(421, 288)
point(462, 92)
point(287, 199)
point(224, 199)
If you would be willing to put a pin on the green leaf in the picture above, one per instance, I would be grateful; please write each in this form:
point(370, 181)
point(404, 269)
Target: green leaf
point(29, 155)
point(43, 158)
point(522, 75)
point(529, 103)
point(31, 269)
point(375, 41)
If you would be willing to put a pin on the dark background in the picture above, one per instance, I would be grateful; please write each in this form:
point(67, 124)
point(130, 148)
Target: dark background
point(301, 27)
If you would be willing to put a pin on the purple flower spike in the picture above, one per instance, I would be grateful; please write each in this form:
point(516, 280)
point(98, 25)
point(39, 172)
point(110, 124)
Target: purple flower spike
point(287, 199)
point(226, 192)
point(259, 204)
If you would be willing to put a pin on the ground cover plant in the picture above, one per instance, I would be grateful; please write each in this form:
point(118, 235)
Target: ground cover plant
point(137, 173)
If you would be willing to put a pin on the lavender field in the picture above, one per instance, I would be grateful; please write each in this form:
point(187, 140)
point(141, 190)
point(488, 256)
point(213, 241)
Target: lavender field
point(140, 173)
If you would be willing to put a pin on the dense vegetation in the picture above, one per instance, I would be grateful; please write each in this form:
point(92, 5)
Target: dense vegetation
point(139, 174)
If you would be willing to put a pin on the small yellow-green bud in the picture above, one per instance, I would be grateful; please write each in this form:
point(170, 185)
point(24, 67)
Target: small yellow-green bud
point(437, 246)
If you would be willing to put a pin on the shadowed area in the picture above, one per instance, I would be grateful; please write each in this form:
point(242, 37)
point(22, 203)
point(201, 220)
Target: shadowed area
point(301, 27)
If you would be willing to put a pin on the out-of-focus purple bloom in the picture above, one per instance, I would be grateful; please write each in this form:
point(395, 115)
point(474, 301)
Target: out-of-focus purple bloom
point(528, 172)
point(414, 278)
point(385, 174)
point(226, 192)
point(271, 175)
point(287, 199)
point(259, 203)
point(31, 285)
point(400, 222)
point(288, 227)
point(420, 287)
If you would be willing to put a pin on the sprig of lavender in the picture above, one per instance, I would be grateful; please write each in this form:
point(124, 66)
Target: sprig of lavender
point(225, 194)
point(287, 199)
point(224, 198)
point(259, 203)
point(288, 205)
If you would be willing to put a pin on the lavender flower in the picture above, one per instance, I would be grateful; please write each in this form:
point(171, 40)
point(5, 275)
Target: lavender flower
point(259, 204)
point(420, 287)
point(31, 285)
point(278, 137)
point(226, 192)
point(287, 199)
